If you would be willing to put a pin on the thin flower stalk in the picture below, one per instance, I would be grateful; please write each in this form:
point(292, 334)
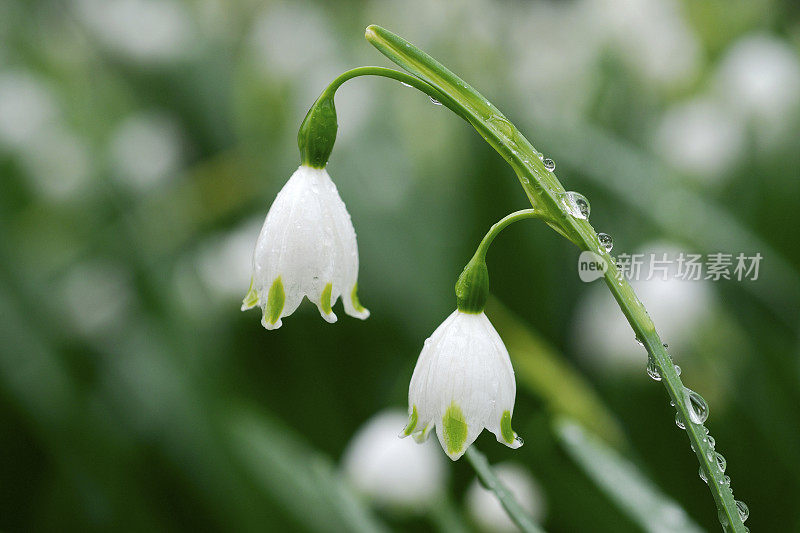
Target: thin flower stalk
point(548, 196)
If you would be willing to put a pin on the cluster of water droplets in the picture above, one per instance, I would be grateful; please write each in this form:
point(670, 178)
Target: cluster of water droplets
point(697, 410)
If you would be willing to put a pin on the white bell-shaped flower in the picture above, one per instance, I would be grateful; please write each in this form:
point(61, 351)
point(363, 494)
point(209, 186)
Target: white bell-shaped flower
point(463, 382)
point(307, 247)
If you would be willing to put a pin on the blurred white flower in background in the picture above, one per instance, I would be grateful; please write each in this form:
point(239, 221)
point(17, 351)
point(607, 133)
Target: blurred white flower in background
point(678, 307)
point(395, 473)
point(147, 31)
point(55, 159)
point(486, 510)
point(97, 297)
point(556, 48)
point(652, 36)
point(701, 138)
point(27, 107)
point(223, 260)
point(281, 51)
point(145, 149)
point(759, 78)
point(215, 18)
point(58, 162)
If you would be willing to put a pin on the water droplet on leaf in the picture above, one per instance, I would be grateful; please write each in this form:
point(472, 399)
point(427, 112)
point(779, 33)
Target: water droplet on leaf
point(434, 101)
point(721, 462)
point(679, 421)
point(578, 205)
point(549, 164)
point(652, 370)
point(605, 241)
point(744, 511)
point(696, 405)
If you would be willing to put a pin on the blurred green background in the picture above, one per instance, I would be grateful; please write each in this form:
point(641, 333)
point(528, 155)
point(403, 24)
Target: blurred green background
point(142, 142)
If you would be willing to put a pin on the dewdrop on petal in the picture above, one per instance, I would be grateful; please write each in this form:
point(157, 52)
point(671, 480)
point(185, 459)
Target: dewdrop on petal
point(307, 245)
point(463, 381)
point(393, 473)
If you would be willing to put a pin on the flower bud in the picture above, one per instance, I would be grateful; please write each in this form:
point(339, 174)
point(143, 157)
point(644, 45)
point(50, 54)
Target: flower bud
point(472, 287)
point(318, 132)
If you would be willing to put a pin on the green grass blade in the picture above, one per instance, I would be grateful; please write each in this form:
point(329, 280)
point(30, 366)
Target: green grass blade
point(305, 482)
point(623, 482)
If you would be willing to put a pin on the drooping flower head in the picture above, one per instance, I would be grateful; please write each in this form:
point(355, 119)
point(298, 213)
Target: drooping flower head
point(463, 381)
point(307, 245)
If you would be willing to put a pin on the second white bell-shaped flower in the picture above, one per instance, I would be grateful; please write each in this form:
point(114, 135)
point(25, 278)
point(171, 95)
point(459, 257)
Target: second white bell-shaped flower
point(463, 381)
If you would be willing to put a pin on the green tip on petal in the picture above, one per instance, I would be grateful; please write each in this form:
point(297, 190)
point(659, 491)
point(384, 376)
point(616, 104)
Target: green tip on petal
point(505, 427)
point(354, 298)
point(412, 422)
point(251, 298)
point(454, 429)
point(325, 299)
point(275, 301)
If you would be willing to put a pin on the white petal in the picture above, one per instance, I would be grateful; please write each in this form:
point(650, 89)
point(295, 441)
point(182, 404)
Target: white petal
point(500, 422)
point(346, 260)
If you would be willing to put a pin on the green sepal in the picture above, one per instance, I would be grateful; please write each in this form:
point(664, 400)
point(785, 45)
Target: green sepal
point(318, 132)
point(472, 287)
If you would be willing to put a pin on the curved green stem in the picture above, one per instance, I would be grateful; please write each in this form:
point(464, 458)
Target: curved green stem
point(548, 196)
point(490, 480)
point(501, 224)
point(398, 75)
